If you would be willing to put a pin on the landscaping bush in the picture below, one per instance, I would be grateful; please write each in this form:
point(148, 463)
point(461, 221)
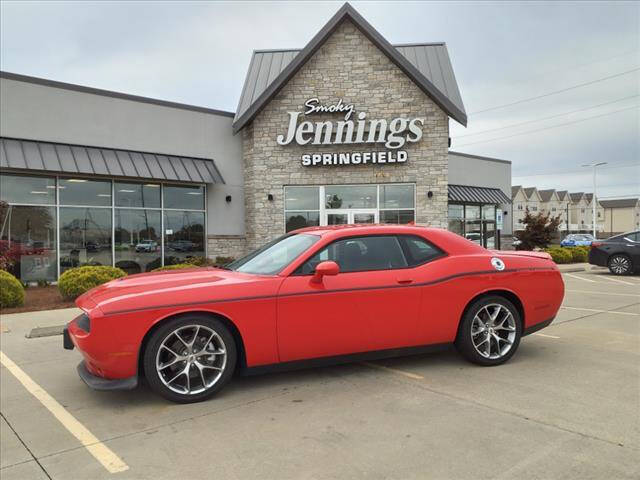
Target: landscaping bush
point(560, 255)
point(11, 291)
point(222, 261)
point(579, 254)
point(199, 261)
point(176, 266)
point(76, 281)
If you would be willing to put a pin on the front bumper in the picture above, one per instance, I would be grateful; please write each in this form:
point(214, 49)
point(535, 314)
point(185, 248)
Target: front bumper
point(99, 383)
point(91, 369)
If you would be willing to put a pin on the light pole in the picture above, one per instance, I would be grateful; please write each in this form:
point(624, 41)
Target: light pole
point(593, 200)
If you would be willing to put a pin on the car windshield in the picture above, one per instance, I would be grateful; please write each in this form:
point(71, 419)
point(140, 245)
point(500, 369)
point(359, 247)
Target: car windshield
point(274, 256)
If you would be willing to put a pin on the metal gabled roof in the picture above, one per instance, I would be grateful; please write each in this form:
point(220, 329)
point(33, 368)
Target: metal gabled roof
point(78, 159)
point(463, 193)
point(428, 65)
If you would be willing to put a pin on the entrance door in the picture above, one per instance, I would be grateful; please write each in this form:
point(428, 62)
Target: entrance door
point(344, 216)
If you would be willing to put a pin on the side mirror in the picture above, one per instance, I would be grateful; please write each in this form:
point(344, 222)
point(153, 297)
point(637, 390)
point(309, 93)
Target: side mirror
point(325, 268)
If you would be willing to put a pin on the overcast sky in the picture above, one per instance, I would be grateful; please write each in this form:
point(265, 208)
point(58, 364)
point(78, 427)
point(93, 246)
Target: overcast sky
point(199, 52)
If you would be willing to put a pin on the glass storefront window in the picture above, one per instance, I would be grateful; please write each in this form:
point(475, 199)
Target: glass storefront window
point(489, 225)
point(456, 219)
point(301, 198)
point(85, 237)
point(137, 195)
point(351, 196)
point(184, 197)
point(295, 220)
point(397, 196)
point(400, 217)
point(29, 234)
point(184, 236)
point(81, 191)
point(472, 229)
point(24, 189)
point(137, 240)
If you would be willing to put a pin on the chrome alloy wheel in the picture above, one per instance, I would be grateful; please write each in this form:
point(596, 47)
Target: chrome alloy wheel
point(493, 331)
point(191, 359)
point(619, 265)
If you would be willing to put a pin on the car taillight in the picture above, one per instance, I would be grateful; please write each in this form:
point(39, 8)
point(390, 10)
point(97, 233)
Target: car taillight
point(596, 244)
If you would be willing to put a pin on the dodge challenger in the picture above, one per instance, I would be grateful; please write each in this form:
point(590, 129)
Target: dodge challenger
point(315, 296)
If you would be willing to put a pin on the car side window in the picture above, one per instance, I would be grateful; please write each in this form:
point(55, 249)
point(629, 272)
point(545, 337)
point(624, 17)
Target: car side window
point(418, 251)
point(634, 237)
point(360, 254)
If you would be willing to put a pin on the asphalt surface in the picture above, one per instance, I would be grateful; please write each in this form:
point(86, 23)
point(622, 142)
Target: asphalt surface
point(567, 405)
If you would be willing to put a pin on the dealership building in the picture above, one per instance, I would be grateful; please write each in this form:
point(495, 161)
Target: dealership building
point(349, 129)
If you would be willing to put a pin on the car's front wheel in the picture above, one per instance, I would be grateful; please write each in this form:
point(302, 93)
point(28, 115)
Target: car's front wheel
point(619, 265)
point(190, 358)
point(490, 331)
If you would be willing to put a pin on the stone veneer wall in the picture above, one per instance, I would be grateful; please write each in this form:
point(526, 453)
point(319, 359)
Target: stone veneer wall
point(350, 67)
point(226, 246)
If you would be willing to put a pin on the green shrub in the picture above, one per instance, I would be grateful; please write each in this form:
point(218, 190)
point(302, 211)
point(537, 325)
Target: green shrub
point(579, 254)
point(11, 291)
point(76, 281)
point(222, 261)
point(560, 255)
point(199, 261)
point(176, 266)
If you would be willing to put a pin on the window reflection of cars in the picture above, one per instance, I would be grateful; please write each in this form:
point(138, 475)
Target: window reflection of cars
point(182, 246)
point(147, 246)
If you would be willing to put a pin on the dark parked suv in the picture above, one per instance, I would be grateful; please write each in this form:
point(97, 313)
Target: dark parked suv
point(620, 253)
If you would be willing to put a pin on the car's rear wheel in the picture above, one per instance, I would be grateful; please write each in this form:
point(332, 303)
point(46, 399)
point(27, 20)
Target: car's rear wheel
point(190, 358)
point(619, 264)
point(490, 331)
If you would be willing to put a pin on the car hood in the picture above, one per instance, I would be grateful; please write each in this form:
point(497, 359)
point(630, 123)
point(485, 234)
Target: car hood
point(169, 288)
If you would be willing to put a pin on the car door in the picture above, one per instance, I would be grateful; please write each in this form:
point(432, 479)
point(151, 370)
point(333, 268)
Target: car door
point(370, 305)
point(632, 248)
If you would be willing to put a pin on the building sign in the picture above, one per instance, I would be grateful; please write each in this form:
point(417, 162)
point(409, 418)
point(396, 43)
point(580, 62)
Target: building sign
point(353, 130)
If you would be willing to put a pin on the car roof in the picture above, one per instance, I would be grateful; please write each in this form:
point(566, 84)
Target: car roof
point(451, 242)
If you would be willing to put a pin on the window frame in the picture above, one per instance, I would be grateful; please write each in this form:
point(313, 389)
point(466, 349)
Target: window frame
point(112, 206)
point(298, 273)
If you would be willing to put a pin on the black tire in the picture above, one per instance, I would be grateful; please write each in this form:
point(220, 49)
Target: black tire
point(187, 326)
point(619, 264)
point(465, 340)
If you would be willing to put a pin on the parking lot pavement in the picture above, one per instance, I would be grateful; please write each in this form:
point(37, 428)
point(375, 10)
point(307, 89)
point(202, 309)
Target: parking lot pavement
point(565, 406)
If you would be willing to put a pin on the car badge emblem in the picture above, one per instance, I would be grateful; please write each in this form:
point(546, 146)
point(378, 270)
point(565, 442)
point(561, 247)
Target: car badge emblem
point(497, 264)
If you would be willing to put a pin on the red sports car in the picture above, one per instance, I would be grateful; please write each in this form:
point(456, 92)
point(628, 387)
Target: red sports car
point(318, 295)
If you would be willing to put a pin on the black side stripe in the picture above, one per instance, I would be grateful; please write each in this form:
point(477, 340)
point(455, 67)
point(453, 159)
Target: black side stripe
point(320, 292)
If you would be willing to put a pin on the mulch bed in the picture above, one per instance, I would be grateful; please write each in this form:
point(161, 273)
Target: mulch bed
point(40, 298)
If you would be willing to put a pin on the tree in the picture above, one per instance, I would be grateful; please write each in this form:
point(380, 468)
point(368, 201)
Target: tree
point(539, 229)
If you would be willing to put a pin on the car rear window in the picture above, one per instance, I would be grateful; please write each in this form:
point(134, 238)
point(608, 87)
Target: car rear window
point(418, 251)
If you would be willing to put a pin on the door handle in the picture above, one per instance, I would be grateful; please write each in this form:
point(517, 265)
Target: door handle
point(405, 281)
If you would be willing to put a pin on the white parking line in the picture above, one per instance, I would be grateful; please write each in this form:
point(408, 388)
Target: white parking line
point(605, 293)
point(600, 311)
point(580, 278)
point(99, 450)
point(544, 335)
point(393, 370)
point(616, 280)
